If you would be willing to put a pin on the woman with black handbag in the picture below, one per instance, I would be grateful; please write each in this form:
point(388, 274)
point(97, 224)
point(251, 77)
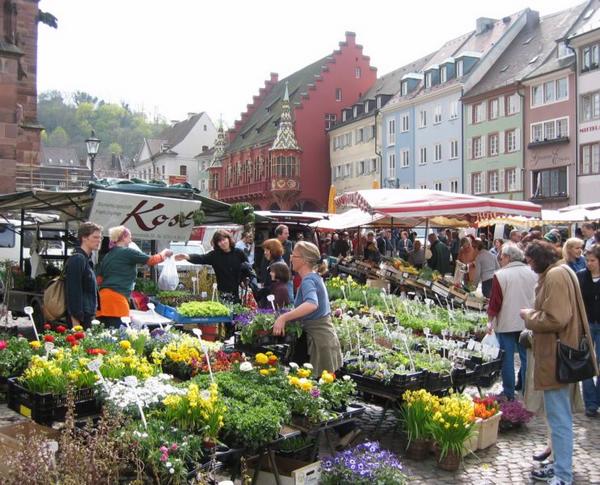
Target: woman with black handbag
point(589, 280)
point(557, 320)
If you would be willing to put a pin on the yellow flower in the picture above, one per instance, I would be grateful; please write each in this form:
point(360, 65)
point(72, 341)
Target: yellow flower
point(294, 381)
point(264, 372)
point(327, 377)
point(35, 344)
point(78, 328)
point(261, 359)
point(125, 344)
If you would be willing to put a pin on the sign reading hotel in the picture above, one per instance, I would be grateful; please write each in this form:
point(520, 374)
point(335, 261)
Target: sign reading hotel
point(147, 217)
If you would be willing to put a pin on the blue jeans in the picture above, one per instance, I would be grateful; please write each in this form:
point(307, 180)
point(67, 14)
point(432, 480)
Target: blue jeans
point(509, 342)
point(557, 403)
point(591, 390)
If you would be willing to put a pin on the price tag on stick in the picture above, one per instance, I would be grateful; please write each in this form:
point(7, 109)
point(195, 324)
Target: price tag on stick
point(198, 333)
point(29, 312)
point(48, 347)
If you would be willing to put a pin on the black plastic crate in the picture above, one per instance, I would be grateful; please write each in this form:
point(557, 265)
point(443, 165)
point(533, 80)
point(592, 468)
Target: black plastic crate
point(437, 382)
point(47, 408)
point(412, 381)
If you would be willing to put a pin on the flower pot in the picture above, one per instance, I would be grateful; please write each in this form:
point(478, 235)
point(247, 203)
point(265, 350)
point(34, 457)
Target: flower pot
point(450, 462)
point(471, 445)
point(488, 431)
point(418, 449)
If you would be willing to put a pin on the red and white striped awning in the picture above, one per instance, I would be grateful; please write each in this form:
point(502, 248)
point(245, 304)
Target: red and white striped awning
point(425, 204)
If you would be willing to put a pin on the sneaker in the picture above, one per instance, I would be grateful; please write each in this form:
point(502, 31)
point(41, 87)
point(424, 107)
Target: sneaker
point(591, 413)
point(557, 481)
point(544, 474)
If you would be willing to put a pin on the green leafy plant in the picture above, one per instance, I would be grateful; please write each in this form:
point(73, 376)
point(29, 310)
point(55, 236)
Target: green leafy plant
point(242, 213)
point(15, 354)
point(203, 309)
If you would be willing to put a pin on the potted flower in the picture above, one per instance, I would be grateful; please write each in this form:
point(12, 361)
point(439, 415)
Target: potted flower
point(336, 392)
point(487, 413)
point(365, 464)
point(15, 354)
point(514, 414)
point(451, 426)
point(418, 408)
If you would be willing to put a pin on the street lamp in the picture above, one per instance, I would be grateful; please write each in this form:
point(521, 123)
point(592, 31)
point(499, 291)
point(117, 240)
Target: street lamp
point(92, 144)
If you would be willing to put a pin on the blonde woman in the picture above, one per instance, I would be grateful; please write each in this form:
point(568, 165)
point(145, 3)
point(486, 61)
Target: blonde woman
point(117, 272)
point(572, 253)
point(313, 310)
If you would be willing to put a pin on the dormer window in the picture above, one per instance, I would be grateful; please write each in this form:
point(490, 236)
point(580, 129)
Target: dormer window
point(459, 68)
point(378, 102)
point(443, 74)
point(404, 88)
point(428, 79)
point(563, 50)
point(355, 111)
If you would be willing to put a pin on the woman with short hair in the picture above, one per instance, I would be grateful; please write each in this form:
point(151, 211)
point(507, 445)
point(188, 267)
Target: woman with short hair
point(556, 316)
point(313, 310)
point(572, 253)
point(117, 273)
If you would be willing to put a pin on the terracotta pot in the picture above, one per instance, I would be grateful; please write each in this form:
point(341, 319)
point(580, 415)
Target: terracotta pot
point(418, 449)
point(450, 462)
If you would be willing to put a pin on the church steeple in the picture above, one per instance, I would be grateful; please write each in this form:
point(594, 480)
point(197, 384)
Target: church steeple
point(286, 138)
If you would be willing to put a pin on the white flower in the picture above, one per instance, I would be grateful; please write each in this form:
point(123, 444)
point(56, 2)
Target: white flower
point(293, 365)
point(321, 381)
point(246, 366)
point(168, 464)
point(308, 366)
point(346, 378)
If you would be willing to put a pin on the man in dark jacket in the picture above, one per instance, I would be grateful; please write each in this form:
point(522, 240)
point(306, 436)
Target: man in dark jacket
point(342, 246)
point(80, 280)
point(440, 255)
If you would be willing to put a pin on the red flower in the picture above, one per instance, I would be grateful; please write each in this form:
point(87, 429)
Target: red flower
point(97, 351)
point(47, 326)
point(71, 339)
point(61, 329)
point(79, 335)
point(3, 344)
point(74, 344)
point(48, 338)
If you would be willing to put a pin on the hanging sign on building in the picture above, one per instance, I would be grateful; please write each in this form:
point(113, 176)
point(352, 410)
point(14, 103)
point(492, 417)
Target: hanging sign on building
point(146, 216)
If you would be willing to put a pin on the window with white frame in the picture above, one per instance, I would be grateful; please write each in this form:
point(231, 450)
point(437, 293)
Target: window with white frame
point(405, 154)
point(510, 175)
point(182, 170)
point(590, 159)
point(590, 57)
point(348, 170)
point(423, 156)
point(373, 165)
point(357, 72)
point(437, 186)
point(428, 78)
point(348, 141)
point(511, 140)
point(493, 109)
point(361, 168)
point(493, 143)
point(550, 183)
point(360, 135)
point(478, 112)
point(590, 106)
point(404, 88)
point(477, 152)
point(391, 165)
point(563, 50)
point(454, 107)
point(338, 94)
point(438, 152)
point(454, 149)
point(454, 186)
point(391, 132)
point(512, 104)
point(437, 114)
point(550, 130)
point(422, 118)
point(476, 183)
point(405, 123)
point(493, 182)
point(330, 119)
point(443, 74)
point(459, 68)
point(549, 92)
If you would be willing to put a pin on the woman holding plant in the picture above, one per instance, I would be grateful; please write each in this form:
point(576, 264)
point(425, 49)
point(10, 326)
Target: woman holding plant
point(117, 273)
point(313, 310)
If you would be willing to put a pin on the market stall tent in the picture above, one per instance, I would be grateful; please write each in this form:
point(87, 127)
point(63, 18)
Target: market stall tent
point(422, 205)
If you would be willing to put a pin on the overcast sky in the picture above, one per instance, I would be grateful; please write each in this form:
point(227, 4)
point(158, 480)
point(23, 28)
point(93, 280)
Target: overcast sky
point(183, 56)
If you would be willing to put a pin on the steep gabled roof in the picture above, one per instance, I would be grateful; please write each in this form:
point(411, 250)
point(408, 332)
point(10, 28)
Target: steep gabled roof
point(565, 22)
point(176, 134)
point(261, 126)
point(55, 156)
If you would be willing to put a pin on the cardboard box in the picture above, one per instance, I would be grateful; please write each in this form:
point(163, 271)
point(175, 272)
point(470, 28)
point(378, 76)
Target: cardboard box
point(11, 439)
point(291, 472)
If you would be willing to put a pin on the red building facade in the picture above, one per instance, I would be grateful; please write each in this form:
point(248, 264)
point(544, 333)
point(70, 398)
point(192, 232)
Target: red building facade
point(19, 128)
point(255, 166)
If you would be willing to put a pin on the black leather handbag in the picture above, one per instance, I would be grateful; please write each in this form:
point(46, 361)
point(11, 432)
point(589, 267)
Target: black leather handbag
point(575, 365)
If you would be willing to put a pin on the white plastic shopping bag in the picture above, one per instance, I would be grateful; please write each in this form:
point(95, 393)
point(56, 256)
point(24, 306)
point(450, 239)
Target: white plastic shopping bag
point(168, 279)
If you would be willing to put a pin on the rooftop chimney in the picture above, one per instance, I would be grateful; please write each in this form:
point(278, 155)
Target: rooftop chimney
point(483, 23)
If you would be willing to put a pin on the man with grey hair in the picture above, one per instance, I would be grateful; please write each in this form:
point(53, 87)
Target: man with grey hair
point(512, 289)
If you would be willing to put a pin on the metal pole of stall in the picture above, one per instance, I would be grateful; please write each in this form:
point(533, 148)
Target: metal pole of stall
point(425, 237)
point(21, 241)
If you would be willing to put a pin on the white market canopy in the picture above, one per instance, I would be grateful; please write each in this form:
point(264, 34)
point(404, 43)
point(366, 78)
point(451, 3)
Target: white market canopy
point(566, 215)
point(425, 204)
